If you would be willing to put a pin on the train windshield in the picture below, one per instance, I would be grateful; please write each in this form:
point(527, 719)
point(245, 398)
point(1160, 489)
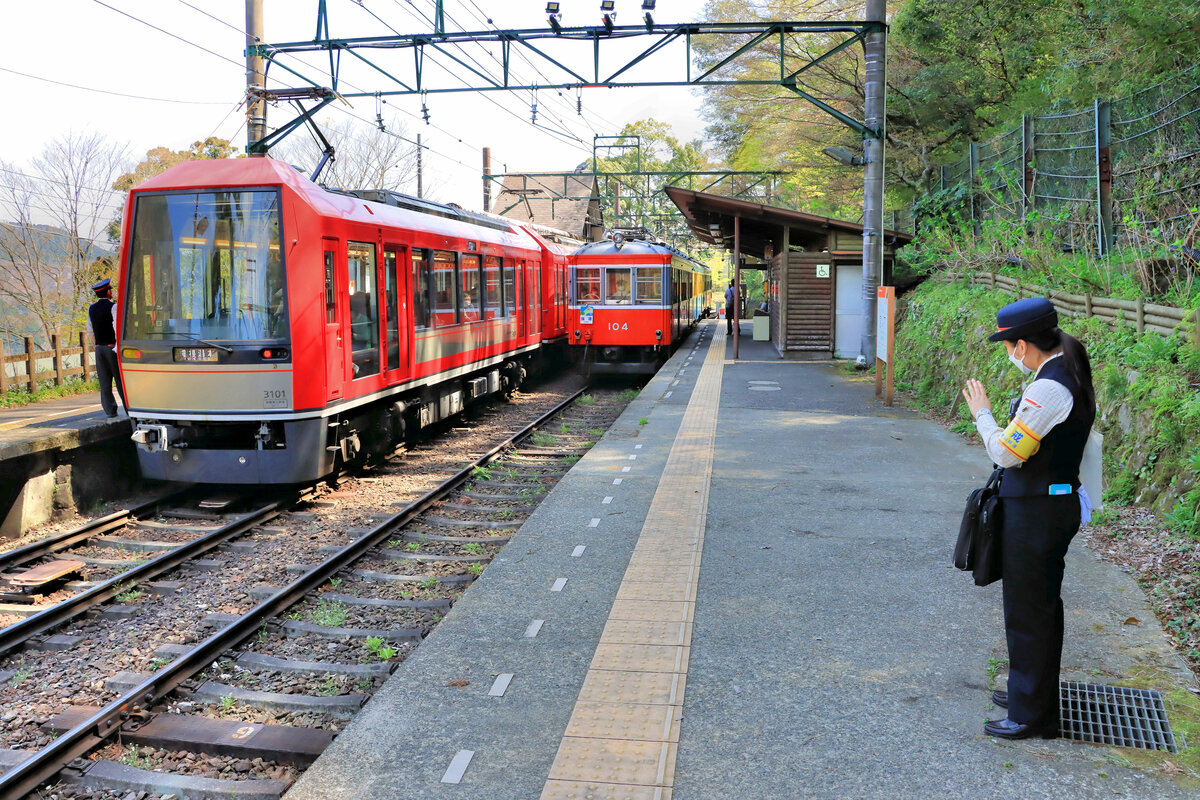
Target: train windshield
point(206, 265)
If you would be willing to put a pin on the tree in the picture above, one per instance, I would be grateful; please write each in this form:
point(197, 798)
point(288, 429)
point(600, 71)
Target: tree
point(365, 157)
point(59, 205)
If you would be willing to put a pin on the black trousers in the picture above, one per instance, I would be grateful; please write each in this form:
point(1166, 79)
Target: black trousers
point(106, 373)
point(1035, 535)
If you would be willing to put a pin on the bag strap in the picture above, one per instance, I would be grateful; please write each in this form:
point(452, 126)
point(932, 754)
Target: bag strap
point(993, 482)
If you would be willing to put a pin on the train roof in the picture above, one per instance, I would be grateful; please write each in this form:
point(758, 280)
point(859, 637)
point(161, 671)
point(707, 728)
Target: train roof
point(640, 245)
point(397, 209)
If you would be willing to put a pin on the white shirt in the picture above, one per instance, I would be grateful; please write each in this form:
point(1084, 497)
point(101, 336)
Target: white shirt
point(1044, 404)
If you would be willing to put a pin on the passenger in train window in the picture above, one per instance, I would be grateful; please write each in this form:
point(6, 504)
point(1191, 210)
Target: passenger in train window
point(618, 290)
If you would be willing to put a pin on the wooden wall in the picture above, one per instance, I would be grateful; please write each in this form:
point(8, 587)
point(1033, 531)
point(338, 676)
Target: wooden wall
point(809, 327)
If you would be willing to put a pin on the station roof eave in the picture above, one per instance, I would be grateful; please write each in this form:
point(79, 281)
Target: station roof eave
point(710, 218)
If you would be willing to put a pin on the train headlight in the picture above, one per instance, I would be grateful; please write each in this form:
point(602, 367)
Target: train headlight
point(274, 353)
point(130, 352)
point(658, 335)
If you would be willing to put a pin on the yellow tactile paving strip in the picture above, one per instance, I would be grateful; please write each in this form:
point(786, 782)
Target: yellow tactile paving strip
point(621, 741)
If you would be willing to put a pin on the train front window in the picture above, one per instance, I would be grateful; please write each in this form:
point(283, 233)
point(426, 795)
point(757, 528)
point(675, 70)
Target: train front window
point(649, 285)
point(587, 284)
point(617, 286)
point(206, 265)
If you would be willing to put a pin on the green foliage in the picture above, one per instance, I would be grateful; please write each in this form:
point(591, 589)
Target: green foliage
point(22, 396)
point(330, 613)
point(1148, 406)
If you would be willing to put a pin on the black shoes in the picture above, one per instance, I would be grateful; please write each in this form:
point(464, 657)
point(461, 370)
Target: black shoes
point(1000, 698)
point(1007, 729)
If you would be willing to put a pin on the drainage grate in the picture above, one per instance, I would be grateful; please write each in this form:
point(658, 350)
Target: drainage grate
point(1115, 715)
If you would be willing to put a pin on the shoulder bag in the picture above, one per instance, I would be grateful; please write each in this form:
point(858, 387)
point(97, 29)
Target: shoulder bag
point(978, 548)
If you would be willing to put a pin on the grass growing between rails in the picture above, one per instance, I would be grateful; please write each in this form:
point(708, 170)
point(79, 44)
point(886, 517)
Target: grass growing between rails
point(23, 397)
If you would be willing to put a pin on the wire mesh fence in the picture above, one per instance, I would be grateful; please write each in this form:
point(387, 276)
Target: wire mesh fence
point(1117, 174)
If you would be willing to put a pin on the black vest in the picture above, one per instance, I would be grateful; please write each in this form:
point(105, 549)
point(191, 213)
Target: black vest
point(100, 313)
point(1057, 459)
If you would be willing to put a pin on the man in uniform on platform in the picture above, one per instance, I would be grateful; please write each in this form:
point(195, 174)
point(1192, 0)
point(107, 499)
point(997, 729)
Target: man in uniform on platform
point(730, 298)
point(102, 316)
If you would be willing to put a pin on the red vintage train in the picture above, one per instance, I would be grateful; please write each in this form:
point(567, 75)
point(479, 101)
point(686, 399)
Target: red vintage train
point(633, 299)
point(271, 329)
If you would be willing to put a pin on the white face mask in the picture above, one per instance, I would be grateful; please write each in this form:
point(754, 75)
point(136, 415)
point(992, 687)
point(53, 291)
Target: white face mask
point(1018, 363)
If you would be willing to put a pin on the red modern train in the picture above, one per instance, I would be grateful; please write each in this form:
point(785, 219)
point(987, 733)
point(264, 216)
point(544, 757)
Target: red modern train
point(271, 329)
point(633, 300)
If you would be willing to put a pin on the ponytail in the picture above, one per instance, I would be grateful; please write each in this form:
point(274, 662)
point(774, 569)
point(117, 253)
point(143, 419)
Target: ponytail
point(1075, 358)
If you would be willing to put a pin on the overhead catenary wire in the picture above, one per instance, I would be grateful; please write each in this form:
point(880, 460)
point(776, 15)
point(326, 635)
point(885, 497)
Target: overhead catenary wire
point(114, 94)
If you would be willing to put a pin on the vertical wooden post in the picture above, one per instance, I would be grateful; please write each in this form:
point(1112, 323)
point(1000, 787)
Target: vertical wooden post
point(737, 283)
point(1027, 156)
point(973, 167)
point(83, 355)
point(4, 362)
point(992, 275)
point(1141, 315)
point(1104, 208)
point(1197, 316)
point(29, 364)
point(1087, 305)
point(56, 346)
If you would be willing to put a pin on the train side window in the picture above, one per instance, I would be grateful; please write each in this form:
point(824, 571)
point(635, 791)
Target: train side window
point(492, 306)
point(420, 289)
point(391, 308)
point(617, 288)
point(330, 292)
point(470, 289)
point(511, 298)
point(587, 284)
point(649, 285)
point(364, 308)
point(445, 289)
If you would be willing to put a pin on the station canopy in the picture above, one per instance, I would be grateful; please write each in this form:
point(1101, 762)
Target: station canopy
point(710, 218)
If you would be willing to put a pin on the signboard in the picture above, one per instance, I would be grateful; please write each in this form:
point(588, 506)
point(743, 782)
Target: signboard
point(822, 270)
point(885, 334)
point(585, 315)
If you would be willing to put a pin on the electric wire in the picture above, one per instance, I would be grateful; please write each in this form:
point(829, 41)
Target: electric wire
point(172, 35)
point(115, 94)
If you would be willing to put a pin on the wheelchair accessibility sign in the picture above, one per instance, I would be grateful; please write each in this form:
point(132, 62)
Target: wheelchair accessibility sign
point(585, 315)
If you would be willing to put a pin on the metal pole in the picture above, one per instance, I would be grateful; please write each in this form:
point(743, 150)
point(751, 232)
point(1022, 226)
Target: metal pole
point(737, 282)
point(420, 188)
point(256, 108)
point(874, 116)
point(487, 179)
point(1026, 165)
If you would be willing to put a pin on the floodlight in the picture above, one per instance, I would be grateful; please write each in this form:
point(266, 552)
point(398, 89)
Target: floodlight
point(647, 5)
point(607, 5)
point(552, 8)
point(844, 156)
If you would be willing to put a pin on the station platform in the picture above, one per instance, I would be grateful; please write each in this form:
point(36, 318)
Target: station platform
point(51, 423)
point(743, 591)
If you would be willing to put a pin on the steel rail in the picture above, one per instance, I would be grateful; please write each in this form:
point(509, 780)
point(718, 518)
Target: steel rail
point(45, 763)
point(21, 632)
point(65, 539)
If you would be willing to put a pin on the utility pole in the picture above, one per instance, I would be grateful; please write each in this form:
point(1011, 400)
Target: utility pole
point(875, 117)
point(256, 107)
point(487, 179)
point(419, 176)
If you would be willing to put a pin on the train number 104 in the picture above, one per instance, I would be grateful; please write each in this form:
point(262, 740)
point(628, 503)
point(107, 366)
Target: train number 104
point(618, 326)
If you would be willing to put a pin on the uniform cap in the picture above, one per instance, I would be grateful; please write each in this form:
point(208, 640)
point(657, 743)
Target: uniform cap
point(1025, 317)
point(100, 286)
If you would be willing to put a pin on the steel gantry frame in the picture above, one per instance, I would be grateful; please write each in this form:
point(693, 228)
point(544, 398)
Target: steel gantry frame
point(415, 80)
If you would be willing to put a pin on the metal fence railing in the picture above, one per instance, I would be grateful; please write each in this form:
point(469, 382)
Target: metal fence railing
point(1116, 174)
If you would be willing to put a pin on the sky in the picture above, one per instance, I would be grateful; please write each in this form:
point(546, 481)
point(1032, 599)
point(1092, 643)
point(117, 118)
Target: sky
point(182, 79)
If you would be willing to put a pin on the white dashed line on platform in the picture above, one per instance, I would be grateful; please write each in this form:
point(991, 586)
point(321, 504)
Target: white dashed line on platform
point(633, 457)
point(595, 523)
point(606, 500)
point(533, 628)
point(626, 469)
point(558, 585)
point(500, 686)
point(458, 766)
point(578, 551)
point(665, 396)
point(617, 481)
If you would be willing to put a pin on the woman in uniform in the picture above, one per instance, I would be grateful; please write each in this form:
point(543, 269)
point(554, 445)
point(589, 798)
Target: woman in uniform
point(1041, 504)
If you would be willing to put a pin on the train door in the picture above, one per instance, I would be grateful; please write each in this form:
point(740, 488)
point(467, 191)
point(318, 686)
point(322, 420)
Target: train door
point(533, 312)
point(395, 311)
point(335, 349)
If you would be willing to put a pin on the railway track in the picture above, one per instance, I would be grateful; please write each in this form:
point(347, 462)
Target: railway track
point(264, 671)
